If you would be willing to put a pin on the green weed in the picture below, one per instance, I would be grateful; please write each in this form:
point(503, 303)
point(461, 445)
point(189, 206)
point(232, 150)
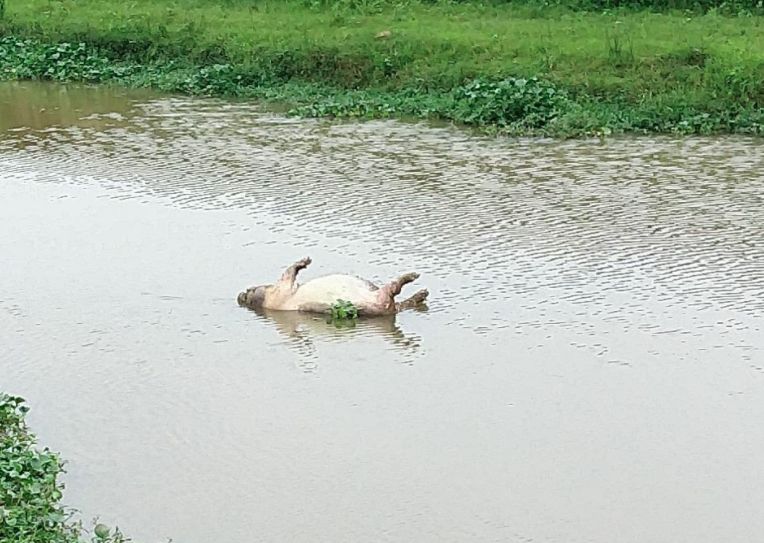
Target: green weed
point(700, 6)
point(620, 45)
point(30, 490)
point(527, 102)
point(343, 310)
point(27, 59)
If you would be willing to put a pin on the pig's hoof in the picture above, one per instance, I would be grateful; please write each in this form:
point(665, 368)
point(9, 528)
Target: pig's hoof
point(415, 301)
point(408, 278)
point(420, 296)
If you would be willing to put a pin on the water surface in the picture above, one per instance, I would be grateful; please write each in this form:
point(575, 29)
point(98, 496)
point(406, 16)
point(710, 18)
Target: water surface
point(590, 369)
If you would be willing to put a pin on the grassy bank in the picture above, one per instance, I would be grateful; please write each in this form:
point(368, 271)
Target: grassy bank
point(522, 68)
point(30, 488)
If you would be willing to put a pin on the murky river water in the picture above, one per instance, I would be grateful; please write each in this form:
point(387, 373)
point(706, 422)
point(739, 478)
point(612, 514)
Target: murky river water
point(591, 367)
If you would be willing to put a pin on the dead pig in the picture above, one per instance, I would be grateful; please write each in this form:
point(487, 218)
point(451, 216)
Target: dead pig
point(318, 295)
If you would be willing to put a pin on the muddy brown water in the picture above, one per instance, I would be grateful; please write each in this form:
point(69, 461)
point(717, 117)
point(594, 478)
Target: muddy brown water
point(590, 369)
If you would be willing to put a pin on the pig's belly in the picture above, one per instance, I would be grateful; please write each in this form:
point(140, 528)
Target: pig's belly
point(327, 290)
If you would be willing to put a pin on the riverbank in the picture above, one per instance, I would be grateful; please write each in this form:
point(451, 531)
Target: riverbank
point(515, 69)
point(31, 490)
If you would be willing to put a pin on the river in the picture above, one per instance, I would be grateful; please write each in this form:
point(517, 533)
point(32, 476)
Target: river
point(590, 367)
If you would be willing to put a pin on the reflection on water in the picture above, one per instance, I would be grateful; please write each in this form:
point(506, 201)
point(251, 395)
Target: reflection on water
point(591, 362)
point(300, 330)
point(40, 106)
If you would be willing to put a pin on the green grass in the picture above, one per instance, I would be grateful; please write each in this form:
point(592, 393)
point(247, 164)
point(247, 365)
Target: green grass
point(609, 71)
point(30, 489)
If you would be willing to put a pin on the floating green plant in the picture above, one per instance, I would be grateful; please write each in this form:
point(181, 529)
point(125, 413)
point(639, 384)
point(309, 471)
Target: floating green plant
point(343, 310)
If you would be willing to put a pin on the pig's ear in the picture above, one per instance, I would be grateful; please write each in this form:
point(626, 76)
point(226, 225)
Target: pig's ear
point(260, 294)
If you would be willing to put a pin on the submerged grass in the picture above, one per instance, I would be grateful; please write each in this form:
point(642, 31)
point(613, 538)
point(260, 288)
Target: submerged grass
point(526, 67)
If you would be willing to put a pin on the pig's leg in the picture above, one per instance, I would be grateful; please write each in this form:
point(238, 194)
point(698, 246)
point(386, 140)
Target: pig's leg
point(386, 294)
point(290, 274)
point(393, 288)
point(414, 301)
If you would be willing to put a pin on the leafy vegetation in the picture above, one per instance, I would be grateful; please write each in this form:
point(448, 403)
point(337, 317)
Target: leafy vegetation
point(343, 310)
point(30, 490)
point(546, 67)
point(702, 6)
